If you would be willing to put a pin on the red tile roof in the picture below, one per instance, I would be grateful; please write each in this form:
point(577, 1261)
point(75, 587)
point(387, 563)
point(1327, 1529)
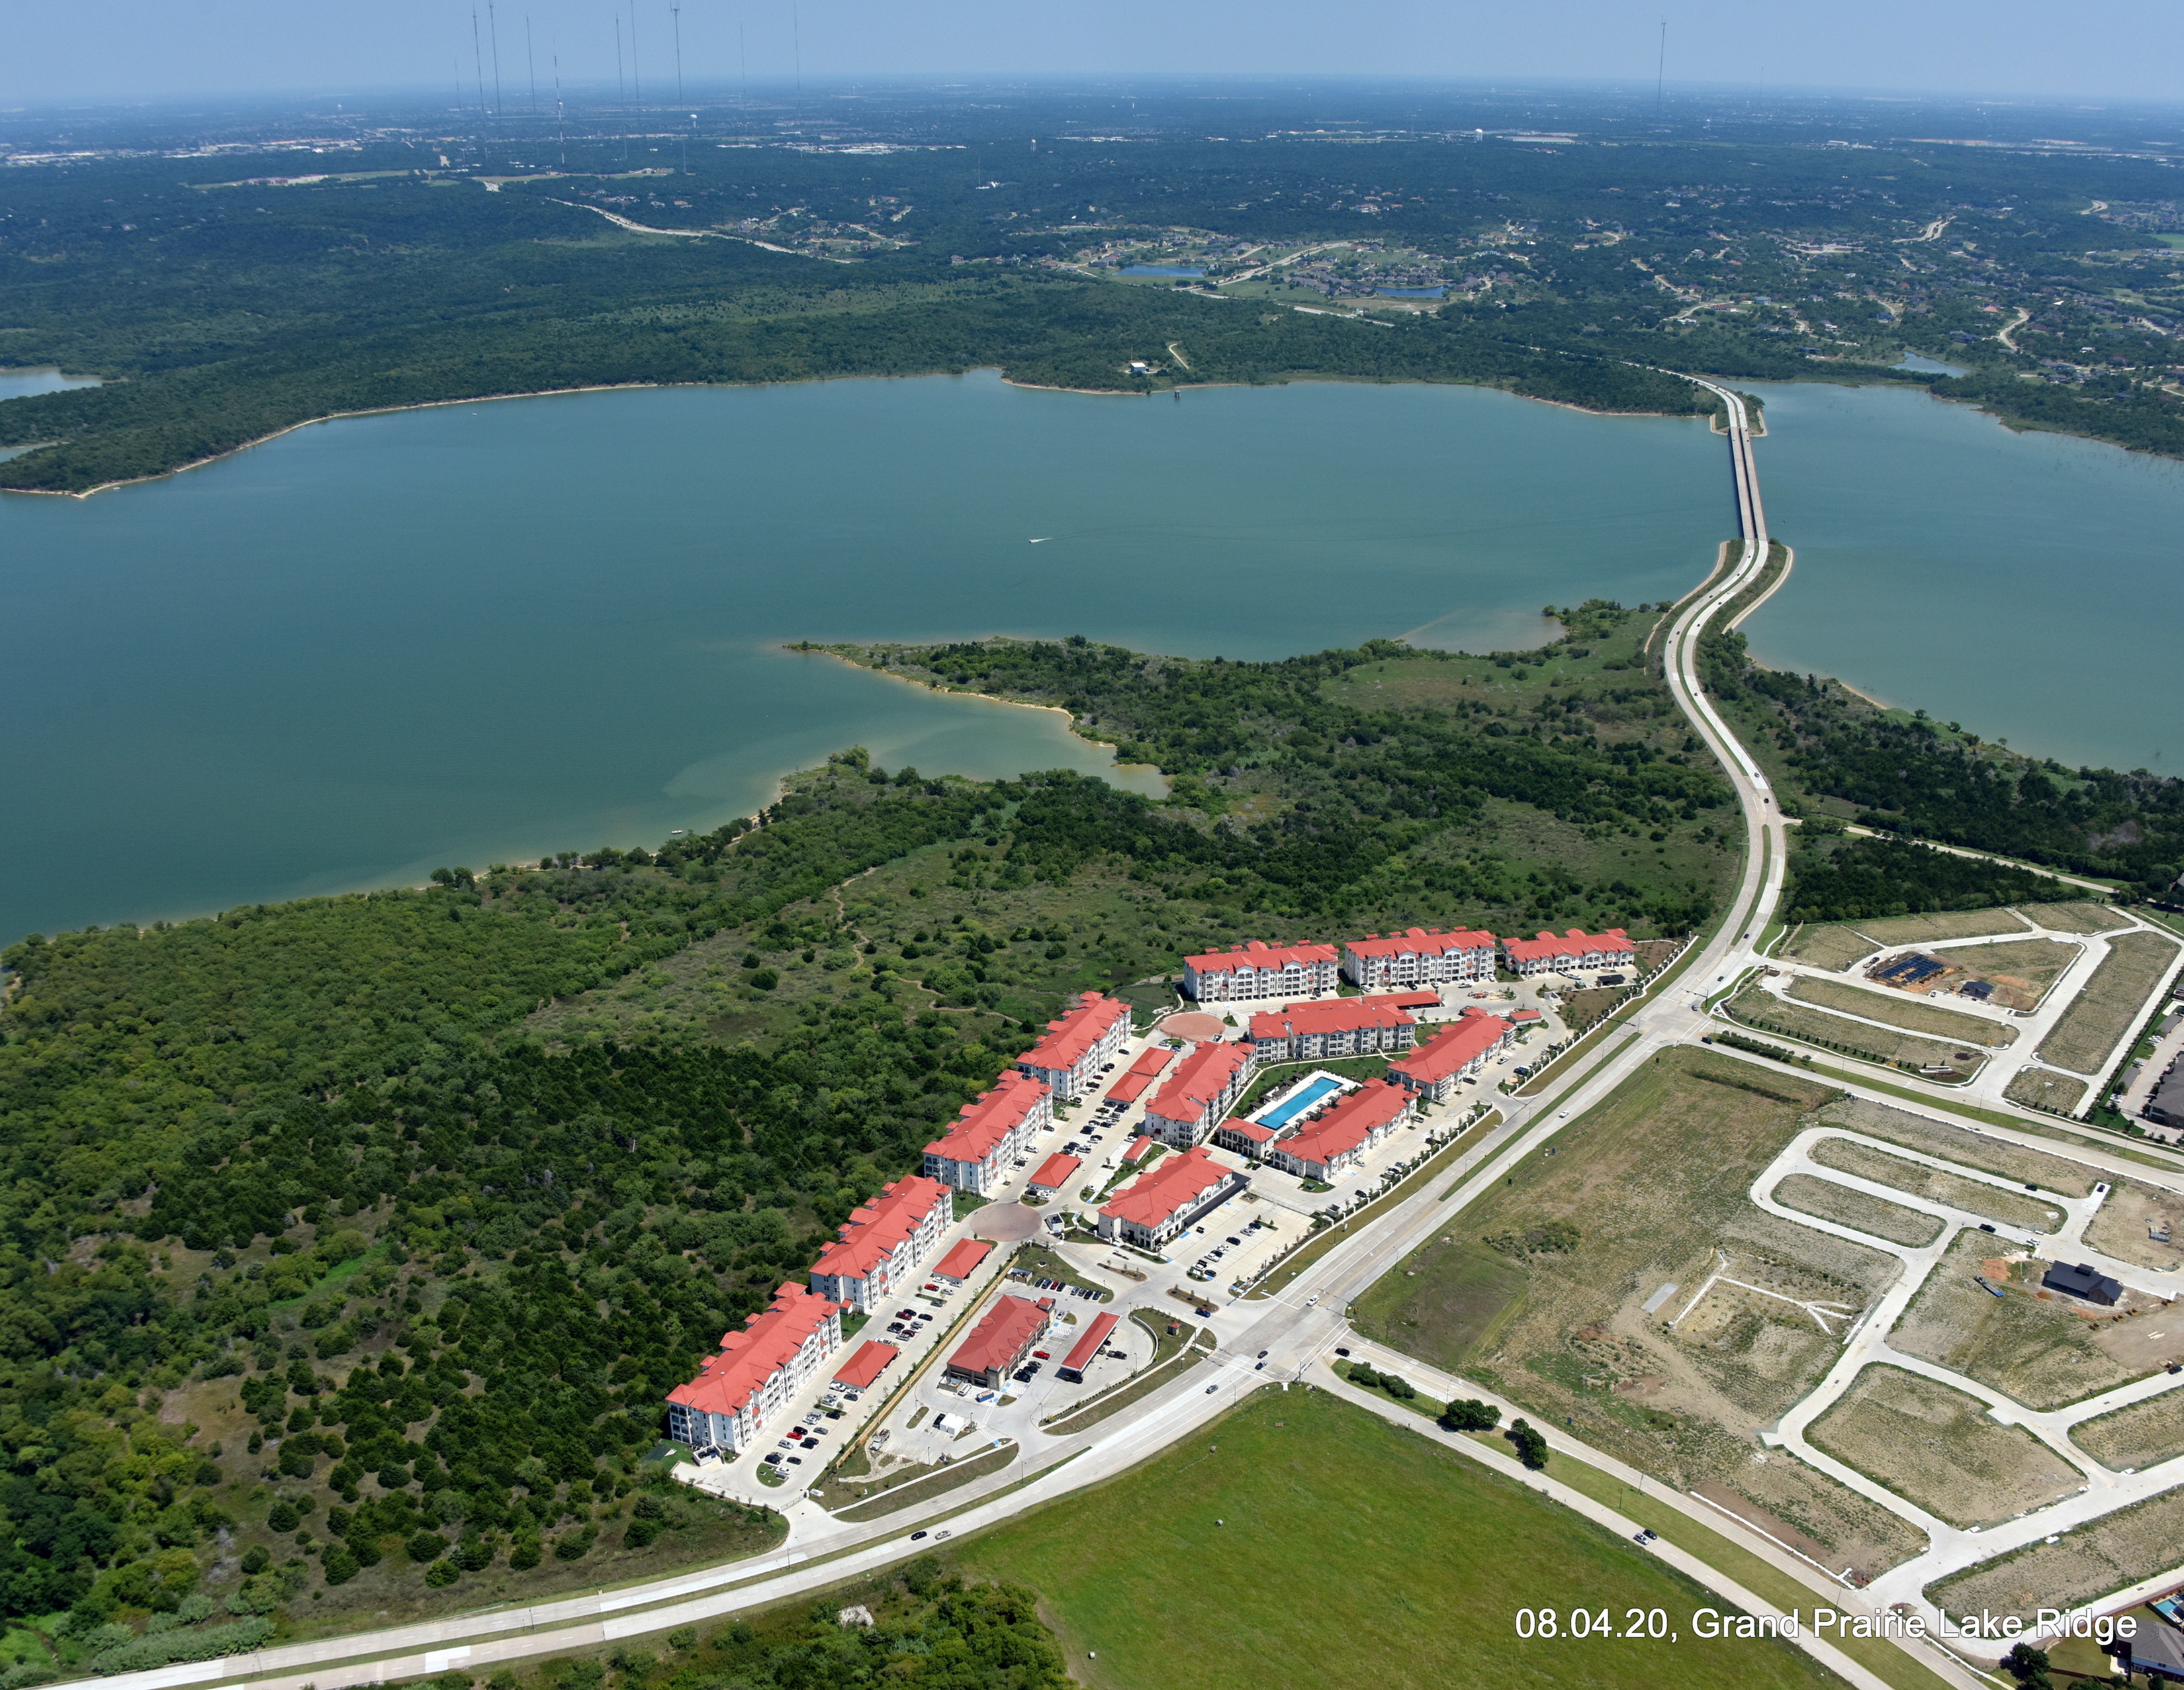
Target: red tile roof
point(1248, 1130)
point(1417, 999)
point(1077, 1032)
point(990, 1118)
point(1349, 1123)
point(1198, 1082)
point(962, 1262)
point(1166, 1187)
point(875, 1230)
point(1088, 1347)
point(1327, 1015)
point(868, 1363)
point(1056, 1172)
point(1420, 941)
point(999, 1339)
point(770, 1340)
point(1258, 954)
point(1140, 1074)
point(1576, 943)
point(1141, 1148)
point(1453, 1049)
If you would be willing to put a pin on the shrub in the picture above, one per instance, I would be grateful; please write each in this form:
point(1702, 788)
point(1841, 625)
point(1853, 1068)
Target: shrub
point(441, 1573)
point(1471, 1415)
point(525, 1555)
point(426, 1545)
point(282, 1516)
point(1531, 1447)
point(339, 1564)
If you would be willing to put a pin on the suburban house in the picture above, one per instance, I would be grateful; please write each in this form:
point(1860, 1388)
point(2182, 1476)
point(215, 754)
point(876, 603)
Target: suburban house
point(1204, 1084)
point(1086, 1349)
point(1424, 956)
point(1458, 1053)
point(2083, 1279)
point(882, 1242)
point(1167, 1197)
point(1328, 1147)
point(2165, 1107)
point(1053, 1176)
point(1333, 1027)
point(1576, 949)
point(1069, 1058)
point(957, 1267)
point(1260, 970)
point(991, 1133)
point(999, 1343)
point(758, 1370)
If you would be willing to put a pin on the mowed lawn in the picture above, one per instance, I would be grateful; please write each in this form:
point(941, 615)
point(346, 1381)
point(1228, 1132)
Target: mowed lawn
point(1348, 1552)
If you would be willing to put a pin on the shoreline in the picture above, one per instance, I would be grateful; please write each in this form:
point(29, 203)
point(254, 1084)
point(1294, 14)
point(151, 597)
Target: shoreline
point(813, 649)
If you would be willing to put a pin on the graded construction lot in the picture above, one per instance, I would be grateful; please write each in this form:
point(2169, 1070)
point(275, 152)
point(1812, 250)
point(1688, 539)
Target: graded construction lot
point(1868, 1213)
point(1961, 1146)
point(2020, 970)
point(1758, 1008)
point(2010, 1208)
point(2111, 1004)
point(2034, 1348)
point(1830, 946)
point(1651, 1189)
point(2141, 1435)
point(2125, 1226)
point(2085, 1562)
point(1325, 1546)
point(2044, 1089)
point(1901, 1009)
point(2072, 918)
point(1938, 1448)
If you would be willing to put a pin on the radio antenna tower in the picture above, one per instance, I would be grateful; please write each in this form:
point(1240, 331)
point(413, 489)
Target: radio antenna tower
point(621, 92)
point(636, 81)
point(531, 61)
point(675, 9)
point(1661, 68)
point(493, 24)
point(477, 56)
point(561, 137)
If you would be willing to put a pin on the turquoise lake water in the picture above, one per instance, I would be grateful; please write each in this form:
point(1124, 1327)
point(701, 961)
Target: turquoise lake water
point(483, 632)
point(479, 632)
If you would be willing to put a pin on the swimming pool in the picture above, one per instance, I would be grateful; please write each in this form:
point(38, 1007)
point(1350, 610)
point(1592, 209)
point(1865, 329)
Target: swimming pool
point(1303, 1098)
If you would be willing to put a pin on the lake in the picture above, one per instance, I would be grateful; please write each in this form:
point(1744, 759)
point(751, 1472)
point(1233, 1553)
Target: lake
point(483, 632)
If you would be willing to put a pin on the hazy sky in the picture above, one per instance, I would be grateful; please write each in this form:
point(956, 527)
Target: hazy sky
point(71, 49)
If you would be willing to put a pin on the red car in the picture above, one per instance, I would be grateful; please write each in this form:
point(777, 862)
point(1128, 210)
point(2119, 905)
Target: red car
point(1041, 1355)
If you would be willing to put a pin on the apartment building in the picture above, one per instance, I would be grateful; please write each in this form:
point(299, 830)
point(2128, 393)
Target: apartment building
point(1333, 1027)
point(1570, 952)
point(1204, 1082)
point(760, 1369)
point(1339, 1140)
point(997, 1127)
point(1422, 956)
point(883, 1243)
point(1167, 1197)
point(1068, 1059)
point(1259, 970)
point(1459, 1052)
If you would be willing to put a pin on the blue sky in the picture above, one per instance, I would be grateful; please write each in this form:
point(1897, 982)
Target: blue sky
point(72, 49)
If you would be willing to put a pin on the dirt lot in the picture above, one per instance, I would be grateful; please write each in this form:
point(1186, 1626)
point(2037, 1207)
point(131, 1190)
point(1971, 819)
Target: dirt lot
point(1931, 1183)
point(2074, 917)
point(1831, 1202)
point(1831, 946)
point(2031, 1346)
point(2106, 1554)
point(1655, 1180)
point(1580, 1009)
point(2112, 1003)
point(1760, 1009)
point(1943, 924)
point(2046, 1090)
point(1809, 1509)
point(2137, 1437)
point(2022, 970)
point(1936, 1448)
point(1899, 1009)
point(1957, 1145)
point(2124, 1226)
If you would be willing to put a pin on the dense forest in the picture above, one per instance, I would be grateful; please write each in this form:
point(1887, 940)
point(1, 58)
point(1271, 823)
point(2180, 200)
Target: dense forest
point(225, 298)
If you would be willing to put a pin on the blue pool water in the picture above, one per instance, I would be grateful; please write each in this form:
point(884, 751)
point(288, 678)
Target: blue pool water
point(1159, 270)
point(1306, 1098)
point(1412, 293)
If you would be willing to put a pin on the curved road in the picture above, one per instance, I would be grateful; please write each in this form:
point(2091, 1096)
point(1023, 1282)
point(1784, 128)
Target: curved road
point(1297, 1326)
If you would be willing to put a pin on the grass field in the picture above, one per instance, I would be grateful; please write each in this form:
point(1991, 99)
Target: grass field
point(1832, 945)
point(1938, 1448)
point(2137, 1437)
point(1762, 1010)
point(1961, 1146)
point(2007, 1208)
point(1350, 1553)
point(1899, 1009)
point(1868, 1213)
point(2020, 970)
point(2074, 917)
point(2091, 1560)
point(2123, 1226)
point(2045, 1090)
point(901, 1490)
point(2111, 1004)
point(1942, 925)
